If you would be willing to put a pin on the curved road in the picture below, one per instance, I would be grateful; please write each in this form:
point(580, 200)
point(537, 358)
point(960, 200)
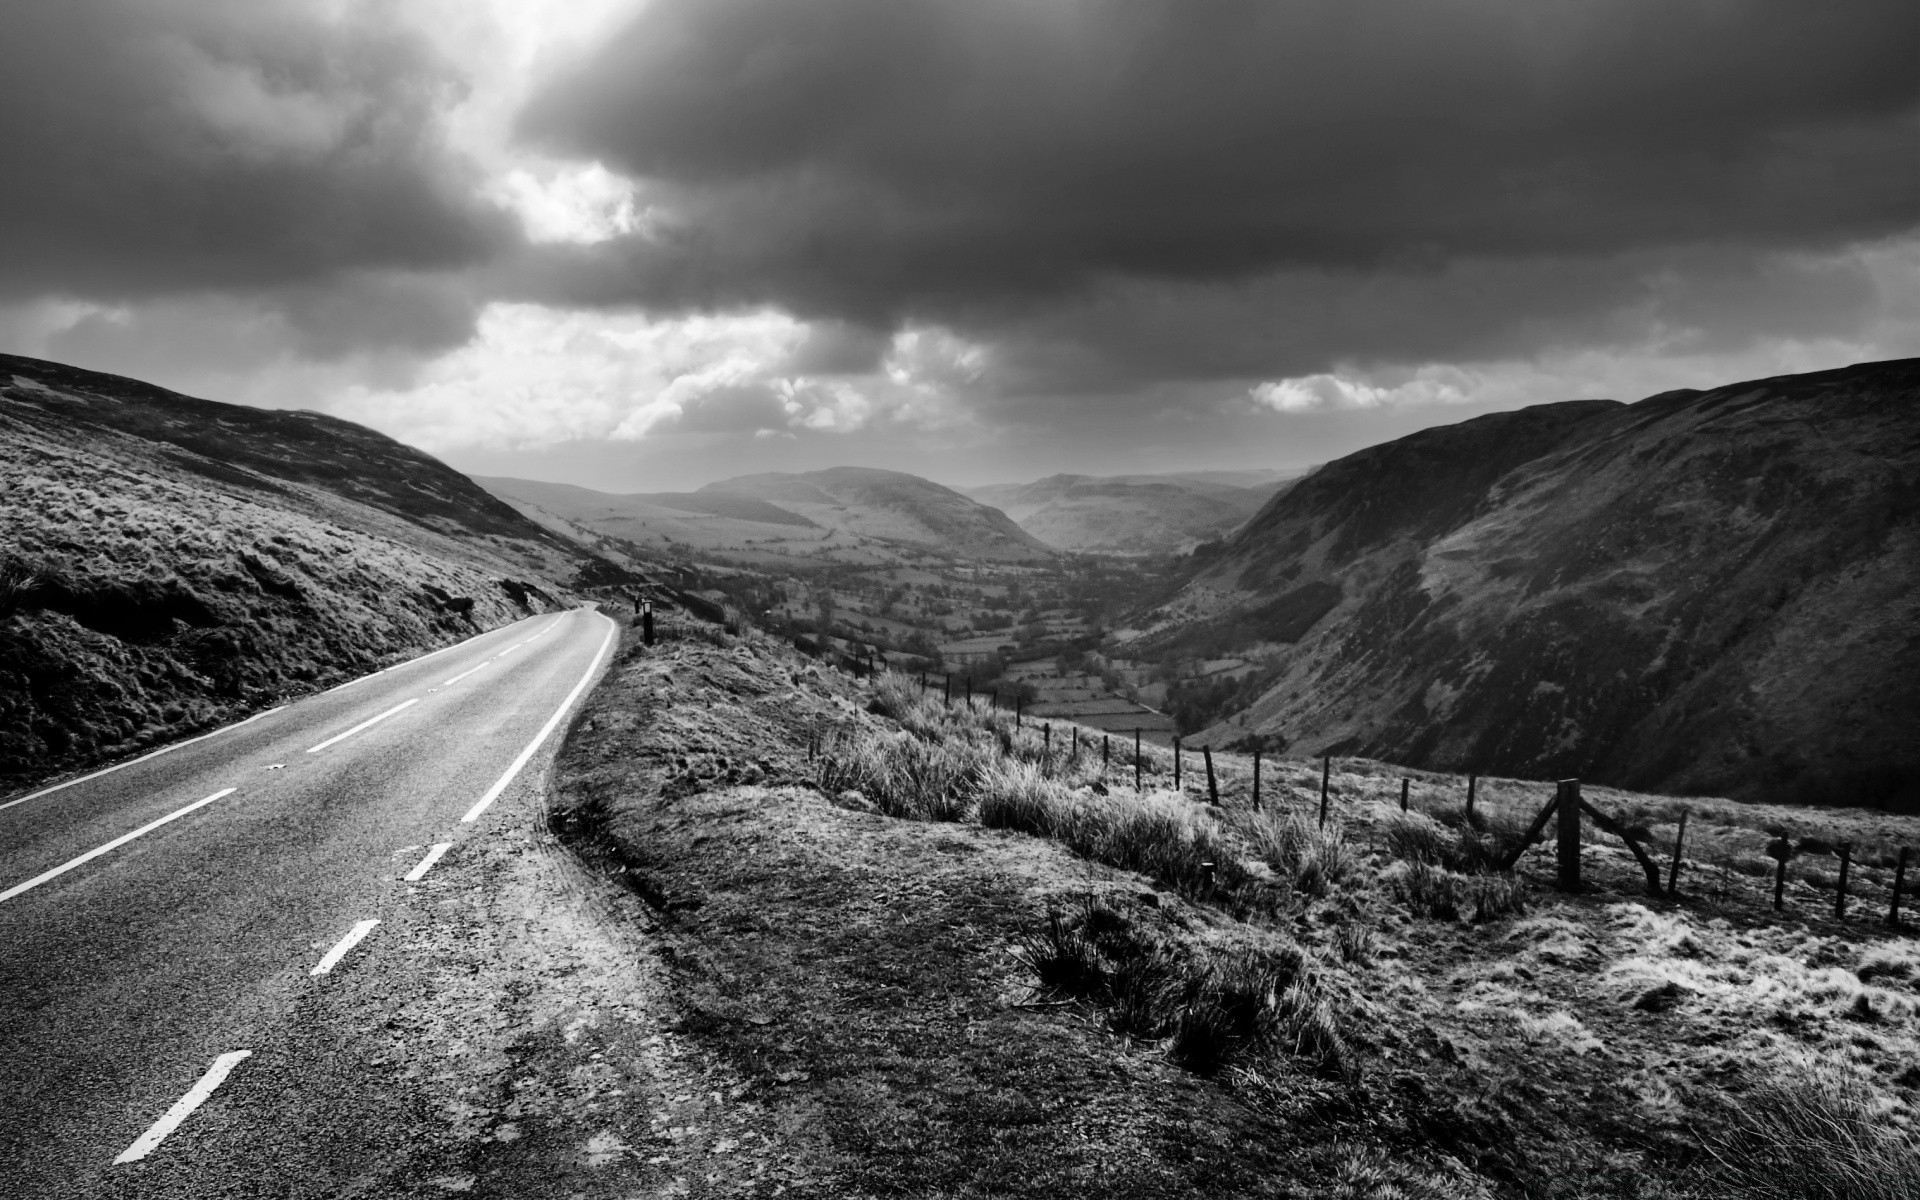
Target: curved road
point(170, 930)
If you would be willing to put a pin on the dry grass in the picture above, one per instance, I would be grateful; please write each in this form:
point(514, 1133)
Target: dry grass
point(141, 602)
point(1819, 1135)
point(1446, 1030)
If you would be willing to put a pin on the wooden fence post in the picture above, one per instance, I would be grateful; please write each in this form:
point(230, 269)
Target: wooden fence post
point(1326, 771)
point(1213, 791)
point(1406, 785)
point(1136, 758)
point(1899, 877)
point(1046, 737)
point(969, 693)
point(1840, 891)
point(1104, 739)
point(1176, 763)
point(1567, 810)
point(1019, 710)
point(1473, 784)
point(1679, 839)
point(1256, 781)
point(946, 690)
point(1780, 872)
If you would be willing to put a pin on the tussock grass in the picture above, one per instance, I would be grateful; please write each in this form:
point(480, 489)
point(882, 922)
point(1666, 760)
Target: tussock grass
point(1434, 891)
point(1816, 1135)
point(1209, 1008)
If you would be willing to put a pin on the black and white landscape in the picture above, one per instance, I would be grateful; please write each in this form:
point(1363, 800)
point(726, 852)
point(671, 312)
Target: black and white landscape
point(844, 598)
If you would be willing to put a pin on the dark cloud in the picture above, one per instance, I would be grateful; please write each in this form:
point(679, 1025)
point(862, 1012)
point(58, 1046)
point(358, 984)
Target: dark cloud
point(985, 163)
point(155, 147)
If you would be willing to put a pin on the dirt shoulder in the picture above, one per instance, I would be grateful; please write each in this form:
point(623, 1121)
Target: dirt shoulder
point(863, 987)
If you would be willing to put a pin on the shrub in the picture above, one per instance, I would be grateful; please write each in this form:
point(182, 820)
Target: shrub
point(1307, 1028)
point(1816, 1137)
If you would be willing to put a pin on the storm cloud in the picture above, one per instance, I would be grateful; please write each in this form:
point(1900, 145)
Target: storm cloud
point(985, 228)
point(974, 163)
point(162, 147)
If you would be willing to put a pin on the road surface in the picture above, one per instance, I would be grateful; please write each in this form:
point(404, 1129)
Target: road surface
point(180, 938)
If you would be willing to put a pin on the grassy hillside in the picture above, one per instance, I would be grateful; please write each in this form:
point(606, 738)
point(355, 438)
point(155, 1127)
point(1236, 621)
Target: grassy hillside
point(1709, 591)
point(890, 506)
point(167, 564)
point(1126, 514)
point(934, 954)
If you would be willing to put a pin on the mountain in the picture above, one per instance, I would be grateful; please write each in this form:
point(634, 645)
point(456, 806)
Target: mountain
point(1701, 592)
point(1131, 514)
point(168, 562)
point(889, 506)
point(652, 520)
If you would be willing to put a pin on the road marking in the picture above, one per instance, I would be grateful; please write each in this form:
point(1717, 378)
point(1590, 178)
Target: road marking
point(115, 844)
point(422, 658)
point(144, 757)
point(341, 947)
point(366, 724)
point(183, 1108)
point(500, 784)
point(463, 675)
point(426, 864)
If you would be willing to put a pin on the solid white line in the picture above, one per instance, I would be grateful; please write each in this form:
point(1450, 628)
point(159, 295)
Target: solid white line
point(500, 784)
point(144, 757)
point(366, 724)
point(341, 947)
point(183, 1107)
point(115, 844)
point(426, 864)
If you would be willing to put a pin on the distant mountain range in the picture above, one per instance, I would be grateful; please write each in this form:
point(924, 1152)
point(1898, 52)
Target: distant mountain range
point(167, 562)
point(1705, 591)
point(1135, 514)
point(834, 509)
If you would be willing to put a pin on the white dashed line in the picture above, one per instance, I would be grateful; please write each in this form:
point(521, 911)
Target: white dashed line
point(115, 844)
point(183, 1107)
point(426, 864)
point(143, 758)
point(500, 785)
point(341, 947)
point(462, 675)
point(369, 723)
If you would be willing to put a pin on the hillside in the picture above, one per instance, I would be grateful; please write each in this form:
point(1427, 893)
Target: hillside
point(890, 506)
point(1705, 591)
point(1127, 514)
point(167, 563)
point(904, 948)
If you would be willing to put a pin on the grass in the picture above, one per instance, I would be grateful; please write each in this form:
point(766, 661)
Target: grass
point(142, 601)
point(1815, 1136)
point(1392, 1016)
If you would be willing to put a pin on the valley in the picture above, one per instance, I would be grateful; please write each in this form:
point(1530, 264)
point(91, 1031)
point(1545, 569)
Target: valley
point(873, 893)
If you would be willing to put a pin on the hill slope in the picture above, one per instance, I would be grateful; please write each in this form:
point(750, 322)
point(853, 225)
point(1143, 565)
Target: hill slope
point(1126, 514)
point(167, 563)
point(1704, 591)
point(891, 506)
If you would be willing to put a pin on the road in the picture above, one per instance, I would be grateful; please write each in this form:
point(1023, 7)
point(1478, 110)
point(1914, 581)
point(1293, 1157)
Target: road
point(180, 938)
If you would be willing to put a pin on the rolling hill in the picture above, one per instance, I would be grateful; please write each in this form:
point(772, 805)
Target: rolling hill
point(1133, 514)
point(167, 562)
point(1701, 592)
point(890, 506)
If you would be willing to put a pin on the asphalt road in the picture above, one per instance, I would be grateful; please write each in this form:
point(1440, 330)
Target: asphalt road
point(223, 874)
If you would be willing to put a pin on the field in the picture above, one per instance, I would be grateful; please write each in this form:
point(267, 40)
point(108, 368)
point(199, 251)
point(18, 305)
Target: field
point(944, 958)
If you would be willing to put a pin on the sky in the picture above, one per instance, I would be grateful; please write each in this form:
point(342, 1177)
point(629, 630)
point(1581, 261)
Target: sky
point(646, 244)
